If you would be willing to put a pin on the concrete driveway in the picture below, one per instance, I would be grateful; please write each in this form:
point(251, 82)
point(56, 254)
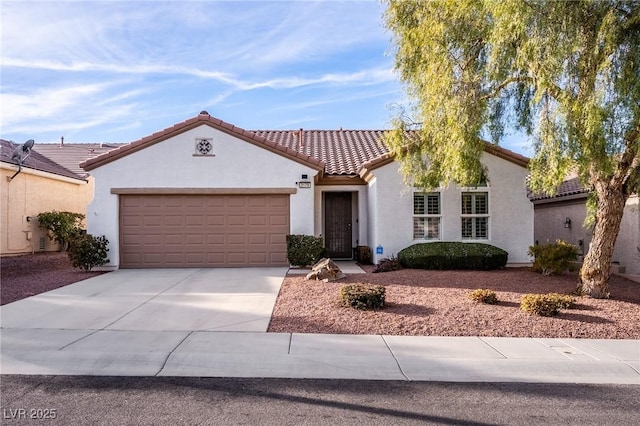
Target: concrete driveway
point(226, 299)
point(212, 323)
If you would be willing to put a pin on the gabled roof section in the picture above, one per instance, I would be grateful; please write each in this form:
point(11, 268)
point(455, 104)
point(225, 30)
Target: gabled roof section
point(570, 188)
point(202, 119)
point(342, 151)
point(335, 152)
point(70, 155)
point(489, 148)
point(353, 152)
point(35, 161)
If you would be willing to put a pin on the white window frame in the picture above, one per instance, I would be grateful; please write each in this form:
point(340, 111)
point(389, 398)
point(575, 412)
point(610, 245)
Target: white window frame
point(427, 216)
point(474, 215)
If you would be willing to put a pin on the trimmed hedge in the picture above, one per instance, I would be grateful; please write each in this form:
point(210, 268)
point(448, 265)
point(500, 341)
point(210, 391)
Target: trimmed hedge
point(304, 250)
point(362, 296)
point(453, 255)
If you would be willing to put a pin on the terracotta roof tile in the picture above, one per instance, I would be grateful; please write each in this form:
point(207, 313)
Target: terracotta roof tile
point(70, 155)
point(36, 161)
point(342, 151)
point(206, 119)
point(336, 152)
point(346, 152)
point(567, 188)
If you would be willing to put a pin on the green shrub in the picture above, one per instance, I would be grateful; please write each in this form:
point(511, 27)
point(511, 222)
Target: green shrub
point(87, 251)
point(453, 255)
point(304, 250)
point(62, 226)
point(387, 264)
point(539, 304)
point(553, 258)
point(563, 301)
point(545, 305)
point(483, 295)
point(362, 296)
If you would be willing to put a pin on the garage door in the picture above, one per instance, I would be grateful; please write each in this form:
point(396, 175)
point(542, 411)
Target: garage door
point(203, 230)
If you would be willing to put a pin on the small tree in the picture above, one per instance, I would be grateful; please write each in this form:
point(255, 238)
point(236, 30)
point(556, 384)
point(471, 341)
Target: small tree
point(87, 251)
point(62, 226)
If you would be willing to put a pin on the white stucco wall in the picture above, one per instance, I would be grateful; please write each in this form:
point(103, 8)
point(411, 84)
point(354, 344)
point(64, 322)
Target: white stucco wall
point(171, 164)
point(510, 212)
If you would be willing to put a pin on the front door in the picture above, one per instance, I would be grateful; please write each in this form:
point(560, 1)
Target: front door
point(337, 224)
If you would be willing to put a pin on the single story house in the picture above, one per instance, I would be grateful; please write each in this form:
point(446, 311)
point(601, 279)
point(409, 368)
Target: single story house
point(39, 185)
point(562, 215)
point(205, 193)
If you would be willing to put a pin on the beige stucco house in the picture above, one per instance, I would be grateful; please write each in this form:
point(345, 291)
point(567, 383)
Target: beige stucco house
point(41, 185)
point(207, 193)
point(562, 216)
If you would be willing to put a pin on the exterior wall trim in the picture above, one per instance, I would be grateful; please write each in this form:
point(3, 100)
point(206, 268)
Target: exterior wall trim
point(48, 175)
point(202, 191)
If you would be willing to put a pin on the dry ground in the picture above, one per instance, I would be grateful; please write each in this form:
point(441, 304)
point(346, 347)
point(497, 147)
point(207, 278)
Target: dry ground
point(436, 303)
point(418, 302)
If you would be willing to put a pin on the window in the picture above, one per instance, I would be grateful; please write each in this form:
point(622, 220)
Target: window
point(475, 215)
point(426, 216)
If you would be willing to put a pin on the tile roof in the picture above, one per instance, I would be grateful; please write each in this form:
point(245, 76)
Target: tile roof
point(70, 155)
point(36, 161)
point(567, 188)
point(201, 119)
point(336, 152)
point(342, 151)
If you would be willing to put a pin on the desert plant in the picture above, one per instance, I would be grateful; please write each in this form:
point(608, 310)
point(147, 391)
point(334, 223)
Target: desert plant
point(388, 264)
point(62, 226)
point(553, 258)
point(483, 295)
point(539, 304)
point(562, 301)
point(545, 305)
point(453, 255)
point(362, 296)
point(87, 251)
point(304, 250)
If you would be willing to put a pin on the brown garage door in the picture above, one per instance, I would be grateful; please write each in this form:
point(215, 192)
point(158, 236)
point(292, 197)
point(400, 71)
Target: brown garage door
point(203, 230)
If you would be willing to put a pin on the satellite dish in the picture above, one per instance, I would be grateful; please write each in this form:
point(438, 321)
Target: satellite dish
point(20, 154)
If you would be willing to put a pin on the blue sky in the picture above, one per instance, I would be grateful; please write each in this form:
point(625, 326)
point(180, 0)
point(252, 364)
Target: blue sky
point(116, 71)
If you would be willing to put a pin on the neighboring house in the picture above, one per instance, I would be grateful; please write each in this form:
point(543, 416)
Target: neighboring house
point(207, 193)
point(70, 155)
point(41, 185)
point(562, 216)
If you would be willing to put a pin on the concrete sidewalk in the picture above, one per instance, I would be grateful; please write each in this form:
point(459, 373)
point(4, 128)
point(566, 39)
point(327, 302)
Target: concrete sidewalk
point(284, 355)
point(212, 323)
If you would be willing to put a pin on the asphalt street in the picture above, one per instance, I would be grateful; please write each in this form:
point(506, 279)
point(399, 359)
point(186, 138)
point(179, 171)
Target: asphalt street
point(107, 400)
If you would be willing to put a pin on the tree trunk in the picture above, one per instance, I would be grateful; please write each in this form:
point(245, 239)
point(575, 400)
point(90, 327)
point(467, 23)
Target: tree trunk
point(596, 268)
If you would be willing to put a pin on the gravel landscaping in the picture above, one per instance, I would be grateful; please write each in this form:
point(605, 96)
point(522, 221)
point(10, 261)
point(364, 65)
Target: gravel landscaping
point(436, 303)
point(417, 302)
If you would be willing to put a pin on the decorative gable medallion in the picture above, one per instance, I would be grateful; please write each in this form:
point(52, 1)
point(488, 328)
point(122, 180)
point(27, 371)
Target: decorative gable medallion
point(204, 146)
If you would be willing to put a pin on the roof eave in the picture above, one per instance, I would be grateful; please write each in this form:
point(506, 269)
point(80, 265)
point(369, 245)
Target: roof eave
point(202, 119)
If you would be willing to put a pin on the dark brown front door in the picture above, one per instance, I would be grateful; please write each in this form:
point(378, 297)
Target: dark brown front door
point(337, 224)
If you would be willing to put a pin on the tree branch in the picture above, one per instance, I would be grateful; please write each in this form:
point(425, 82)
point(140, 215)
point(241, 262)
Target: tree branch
point(554, 90)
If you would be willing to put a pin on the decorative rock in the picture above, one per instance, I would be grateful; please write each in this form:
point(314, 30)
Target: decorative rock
point(325, 270)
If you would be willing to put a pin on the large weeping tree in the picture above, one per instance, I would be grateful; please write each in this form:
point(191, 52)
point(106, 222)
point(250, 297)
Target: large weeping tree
point(565, 73)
